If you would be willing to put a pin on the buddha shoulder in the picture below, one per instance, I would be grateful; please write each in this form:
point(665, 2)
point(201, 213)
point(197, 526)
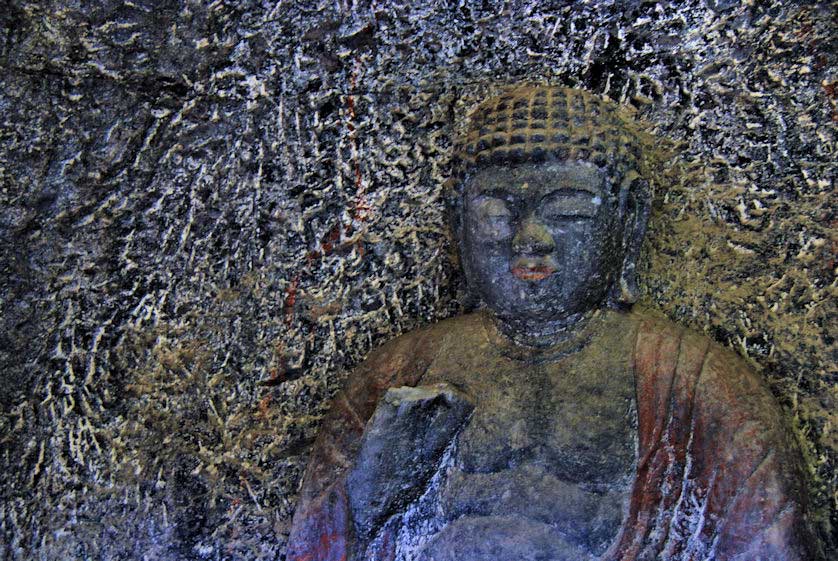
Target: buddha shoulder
point(423, 343)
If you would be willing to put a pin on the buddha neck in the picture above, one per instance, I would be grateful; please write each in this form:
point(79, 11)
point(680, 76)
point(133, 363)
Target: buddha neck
point(547, 341)
point(543, 334)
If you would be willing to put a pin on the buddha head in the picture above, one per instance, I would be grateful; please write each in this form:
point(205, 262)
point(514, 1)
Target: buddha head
point(552, 207)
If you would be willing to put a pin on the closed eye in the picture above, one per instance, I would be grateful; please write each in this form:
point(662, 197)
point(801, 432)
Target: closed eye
point(492, 207)
point(492, 217)
point(570, 204)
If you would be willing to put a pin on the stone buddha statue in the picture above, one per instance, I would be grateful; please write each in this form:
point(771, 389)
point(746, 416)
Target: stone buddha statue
point(556, 423)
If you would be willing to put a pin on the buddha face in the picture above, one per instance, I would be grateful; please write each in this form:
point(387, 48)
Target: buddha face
point(541, 242)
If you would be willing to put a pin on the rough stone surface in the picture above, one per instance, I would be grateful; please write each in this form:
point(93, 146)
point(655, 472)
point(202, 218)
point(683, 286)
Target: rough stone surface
point(211, 209)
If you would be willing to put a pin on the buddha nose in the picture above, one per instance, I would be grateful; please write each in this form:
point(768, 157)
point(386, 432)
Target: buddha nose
point(532, 238)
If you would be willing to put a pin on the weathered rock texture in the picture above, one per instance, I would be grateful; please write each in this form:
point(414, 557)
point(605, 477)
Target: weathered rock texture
point(210, 209)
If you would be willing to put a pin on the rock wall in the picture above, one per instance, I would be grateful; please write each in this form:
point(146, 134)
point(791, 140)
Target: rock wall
point(211, 209)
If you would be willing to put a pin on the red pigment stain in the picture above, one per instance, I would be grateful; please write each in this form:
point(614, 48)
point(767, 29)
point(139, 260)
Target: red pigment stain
point(360, 212)
point(291, 299)
point(234, 504)
point(264, 406)
point(538, 273)
point(330, 239)
point(276, 377)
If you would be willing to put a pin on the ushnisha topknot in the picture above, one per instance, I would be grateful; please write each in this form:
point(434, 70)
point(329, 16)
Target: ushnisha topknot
point(532, 123)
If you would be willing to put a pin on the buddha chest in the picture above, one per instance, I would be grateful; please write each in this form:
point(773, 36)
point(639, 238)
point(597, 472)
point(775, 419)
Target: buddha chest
point(543, 468)
point(574, 419)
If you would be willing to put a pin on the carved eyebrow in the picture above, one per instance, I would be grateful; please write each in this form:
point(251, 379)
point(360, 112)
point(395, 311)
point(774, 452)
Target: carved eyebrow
point(584, 209)
point(504, 188)
point(571, 191)
point(498, 192)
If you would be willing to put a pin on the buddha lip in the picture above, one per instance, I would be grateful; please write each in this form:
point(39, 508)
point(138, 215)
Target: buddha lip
point(537, 273)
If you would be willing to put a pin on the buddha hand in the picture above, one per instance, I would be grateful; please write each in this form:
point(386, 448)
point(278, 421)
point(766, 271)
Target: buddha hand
point(401, 449)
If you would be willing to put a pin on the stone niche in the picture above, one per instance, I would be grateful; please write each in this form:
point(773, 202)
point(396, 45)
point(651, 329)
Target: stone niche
point(213, 211)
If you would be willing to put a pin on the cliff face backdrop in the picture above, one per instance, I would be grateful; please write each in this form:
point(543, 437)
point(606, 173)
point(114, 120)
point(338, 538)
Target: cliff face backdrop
point(212, 209)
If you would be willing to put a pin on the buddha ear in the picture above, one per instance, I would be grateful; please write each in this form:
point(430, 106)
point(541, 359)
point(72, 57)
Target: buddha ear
point(454, 211)
point(636, 207)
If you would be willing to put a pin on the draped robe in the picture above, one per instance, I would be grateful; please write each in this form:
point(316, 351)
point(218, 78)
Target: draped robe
point(718, 473)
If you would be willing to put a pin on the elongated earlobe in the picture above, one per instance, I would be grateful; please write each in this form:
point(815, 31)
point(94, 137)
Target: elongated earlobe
point(629, 292)
point(636, 219)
